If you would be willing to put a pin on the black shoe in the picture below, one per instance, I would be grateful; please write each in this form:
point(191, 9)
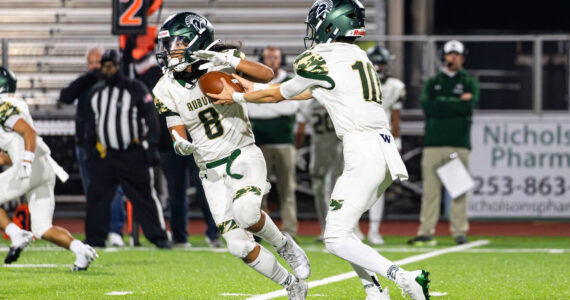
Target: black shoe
point(460, 240)
point(163, 244)
point(13, 255)
point(422, 240)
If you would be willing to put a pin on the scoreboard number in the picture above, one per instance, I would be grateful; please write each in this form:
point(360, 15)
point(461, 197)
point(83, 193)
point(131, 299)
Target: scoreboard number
point(129, 16)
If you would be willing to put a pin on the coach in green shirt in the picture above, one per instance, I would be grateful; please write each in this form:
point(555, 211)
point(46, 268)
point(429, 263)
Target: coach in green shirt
point(448, 100)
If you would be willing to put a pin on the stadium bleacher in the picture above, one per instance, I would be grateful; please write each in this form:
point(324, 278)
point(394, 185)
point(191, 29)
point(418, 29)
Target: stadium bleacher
point(47, 39)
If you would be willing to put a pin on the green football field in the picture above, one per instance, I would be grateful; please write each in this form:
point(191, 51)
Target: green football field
point(487, 268)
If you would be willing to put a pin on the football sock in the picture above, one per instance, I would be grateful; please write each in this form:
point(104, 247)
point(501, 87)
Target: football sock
point(267, 265)
point(12, 229)
point(76, 247)
point(358, 253)
point(271, 233)
point(374, 226)
point(368, 279)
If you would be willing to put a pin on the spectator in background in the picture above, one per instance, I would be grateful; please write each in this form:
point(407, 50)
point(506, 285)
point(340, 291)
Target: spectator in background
point(180, 171)
point(448, 100)
point(78, 90)
point(115, 130)
point(272, 126)
point(393, 94)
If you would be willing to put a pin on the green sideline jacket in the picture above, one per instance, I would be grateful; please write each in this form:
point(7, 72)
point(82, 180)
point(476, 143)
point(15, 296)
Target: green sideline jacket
point(448, 119)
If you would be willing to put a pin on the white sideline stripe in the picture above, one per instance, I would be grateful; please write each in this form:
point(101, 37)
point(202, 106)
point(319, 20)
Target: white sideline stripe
point(117, 293)
point(401, 262)
point(34, 266)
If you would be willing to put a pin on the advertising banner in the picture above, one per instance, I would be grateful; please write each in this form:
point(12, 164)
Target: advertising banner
point(521, 166)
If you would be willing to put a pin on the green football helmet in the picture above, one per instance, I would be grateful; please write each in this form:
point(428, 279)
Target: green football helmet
point(380, 58)
point(7, 81)
point(330, 19)
point(179, 36)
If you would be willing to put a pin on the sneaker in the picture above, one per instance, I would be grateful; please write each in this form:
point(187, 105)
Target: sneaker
point(215, 242)
point(414, 283)
point(375, 238)
point(295, 257)
point(181, 245)
point(84, 259)
point(378, 294)
point(422, 240)
point(358, 233)
point(163, 244)
point(116, 240)
point(298, 290)
point(19, 242)
point(461, 239)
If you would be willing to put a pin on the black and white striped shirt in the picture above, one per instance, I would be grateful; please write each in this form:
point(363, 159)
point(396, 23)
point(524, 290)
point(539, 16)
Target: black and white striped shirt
point(118, 107)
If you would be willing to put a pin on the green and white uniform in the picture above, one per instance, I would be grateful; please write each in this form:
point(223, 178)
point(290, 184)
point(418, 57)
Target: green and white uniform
point(39, 187)
point(230, 163)
point(343, 80)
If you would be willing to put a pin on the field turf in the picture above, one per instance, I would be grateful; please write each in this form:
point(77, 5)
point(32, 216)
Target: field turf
point(505, 268)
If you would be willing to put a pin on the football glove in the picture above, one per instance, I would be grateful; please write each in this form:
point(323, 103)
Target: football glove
point(181, 145)
point(216, 59)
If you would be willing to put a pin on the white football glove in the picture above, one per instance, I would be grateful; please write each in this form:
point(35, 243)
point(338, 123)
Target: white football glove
point(216, 59)
point(25, 170)
point(181, 145)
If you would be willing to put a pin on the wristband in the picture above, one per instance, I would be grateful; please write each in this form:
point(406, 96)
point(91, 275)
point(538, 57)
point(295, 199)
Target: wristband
point(29, 155)
point(260, 86)
point(234, 61)
point(238, 97)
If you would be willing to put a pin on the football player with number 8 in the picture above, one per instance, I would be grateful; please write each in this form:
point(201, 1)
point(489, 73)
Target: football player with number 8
point(232, 167)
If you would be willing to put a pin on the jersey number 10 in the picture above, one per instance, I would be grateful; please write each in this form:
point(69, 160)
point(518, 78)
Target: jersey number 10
point(370, 82)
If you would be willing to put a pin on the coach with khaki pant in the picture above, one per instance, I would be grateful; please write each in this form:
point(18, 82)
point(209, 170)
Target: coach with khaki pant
point(448, 100)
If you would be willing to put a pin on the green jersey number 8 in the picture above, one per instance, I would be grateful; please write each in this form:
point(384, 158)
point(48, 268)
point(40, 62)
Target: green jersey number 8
point(211, 120)
point(370, 82)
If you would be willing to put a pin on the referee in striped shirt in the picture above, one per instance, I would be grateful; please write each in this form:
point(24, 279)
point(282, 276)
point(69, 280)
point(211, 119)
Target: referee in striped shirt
point(121, 109)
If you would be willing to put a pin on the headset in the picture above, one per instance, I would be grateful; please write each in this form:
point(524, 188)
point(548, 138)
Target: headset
point(259, 53)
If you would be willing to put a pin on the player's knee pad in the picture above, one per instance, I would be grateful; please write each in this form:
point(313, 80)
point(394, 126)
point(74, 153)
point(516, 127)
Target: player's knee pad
point(246, 210)
point(39, 227)
point(239, 242)
point(333, 244)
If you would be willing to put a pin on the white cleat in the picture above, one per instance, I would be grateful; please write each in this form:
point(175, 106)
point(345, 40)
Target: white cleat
point(116, 240)
point(375, 238)
point(414, 283)
point(295, 257)
point(19, 242)
point(84, 259)
point(298, 290)
point(378, 295)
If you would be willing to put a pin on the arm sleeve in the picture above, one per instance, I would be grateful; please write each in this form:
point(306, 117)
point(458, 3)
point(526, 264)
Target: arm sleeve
point(78, 87)
point(299, 84)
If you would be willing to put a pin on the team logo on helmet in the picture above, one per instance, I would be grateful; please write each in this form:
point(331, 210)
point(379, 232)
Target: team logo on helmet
point(197, 22)
point(322, 7)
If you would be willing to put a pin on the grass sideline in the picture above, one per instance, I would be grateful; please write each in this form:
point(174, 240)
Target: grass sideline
point(507, 268)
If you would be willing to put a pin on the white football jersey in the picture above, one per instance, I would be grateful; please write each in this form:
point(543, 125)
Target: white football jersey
point(320, 122)
point(349, 87)
point(393, 90)
point(215, 130)
point(11, 110)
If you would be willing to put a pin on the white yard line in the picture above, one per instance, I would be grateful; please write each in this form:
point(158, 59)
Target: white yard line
point(34, 266)
point(401, 262)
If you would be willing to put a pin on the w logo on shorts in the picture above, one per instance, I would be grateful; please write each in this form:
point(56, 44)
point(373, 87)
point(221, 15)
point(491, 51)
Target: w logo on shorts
point(336, 204)
point(386, 138)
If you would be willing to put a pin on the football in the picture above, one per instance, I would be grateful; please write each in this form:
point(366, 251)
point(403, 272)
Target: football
point(211, 83)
